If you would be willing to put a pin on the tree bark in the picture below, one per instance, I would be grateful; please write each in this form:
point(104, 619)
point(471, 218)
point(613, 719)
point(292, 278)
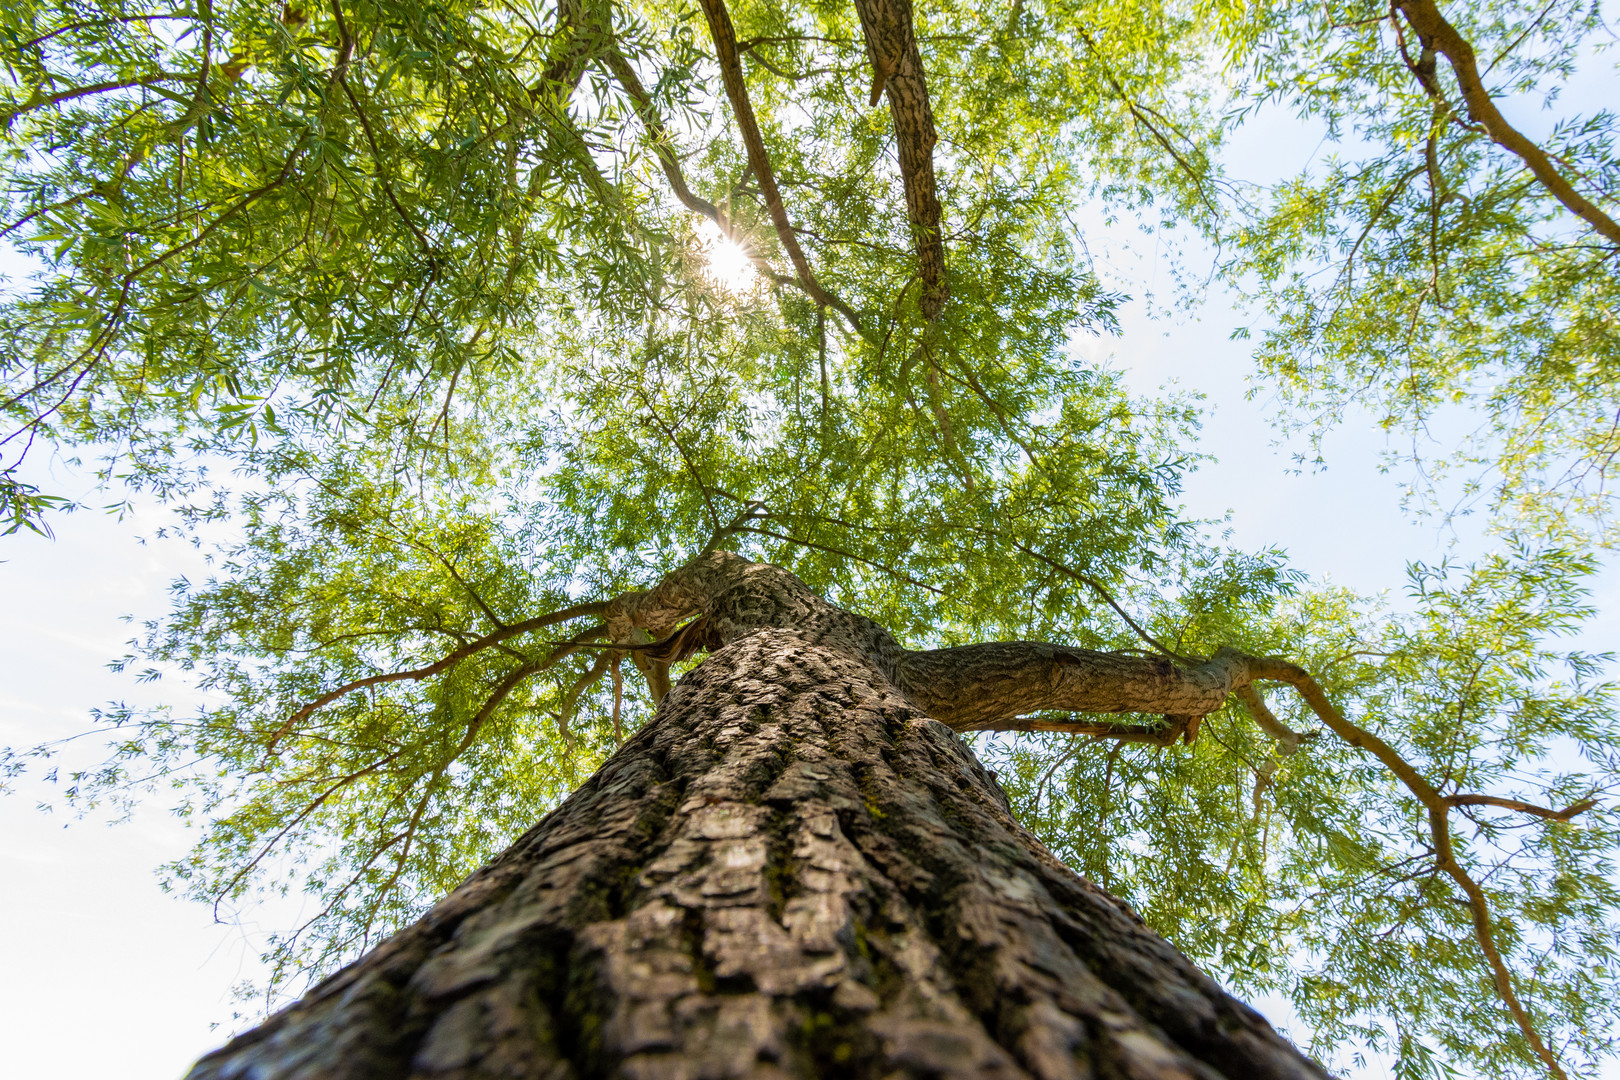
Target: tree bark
point(891, 45)
point(790, 871)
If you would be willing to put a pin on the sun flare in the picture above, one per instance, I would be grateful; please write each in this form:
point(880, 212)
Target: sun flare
point(726, 263)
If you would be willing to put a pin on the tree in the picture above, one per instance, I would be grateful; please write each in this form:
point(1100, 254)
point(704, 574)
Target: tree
point(790, 870)
point(429, 280)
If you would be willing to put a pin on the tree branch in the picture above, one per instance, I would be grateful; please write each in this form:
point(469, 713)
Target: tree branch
point(151, 82)
point(567, 68)
point(309, 808)
point(1568, 812)
point(618, 701)
point(724, 36)
point(445, 663)
point(663, 145)
point(885, 567)
point(1287, 738)
point(92, 24)
point(1438, 807)
point(1086, 579)
point(434, 553)
point(983, 687)
point(341, 75)
point(891, 44)
point(570, 701)
point(1434, 32)
point(1140, 115)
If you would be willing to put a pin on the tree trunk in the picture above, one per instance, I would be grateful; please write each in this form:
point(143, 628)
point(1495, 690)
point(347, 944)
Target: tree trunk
point(790, 871)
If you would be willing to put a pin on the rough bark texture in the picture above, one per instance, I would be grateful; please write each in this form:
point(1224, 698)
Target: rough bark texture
point(724, 35)
point(891, 45)
point(790, 871)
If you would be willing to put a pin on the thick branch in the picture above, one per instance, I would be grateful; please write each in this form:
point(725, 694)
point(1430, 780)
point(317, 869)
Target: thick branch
point(759, 162)
point(891, 43)
point(1437, 33)
point(986, 687)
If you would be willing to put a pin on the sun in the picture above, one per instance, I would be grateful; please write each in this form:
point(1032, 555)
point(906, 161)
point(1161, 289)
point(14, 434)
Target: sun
point(726, 263)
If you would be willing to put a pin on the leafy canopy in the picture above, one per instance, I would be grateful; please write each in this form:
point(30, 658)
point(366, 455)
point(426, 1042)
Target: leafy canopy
point(428, 283)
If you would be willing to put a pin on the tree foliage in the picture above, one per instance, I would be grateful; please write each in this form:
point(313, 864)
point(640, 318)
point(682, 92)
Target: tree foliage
point(434, 284)
point(1426, 271)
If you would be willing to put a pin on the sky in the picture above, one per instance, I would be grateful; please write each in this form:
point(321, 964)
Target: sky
point(103, 974)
